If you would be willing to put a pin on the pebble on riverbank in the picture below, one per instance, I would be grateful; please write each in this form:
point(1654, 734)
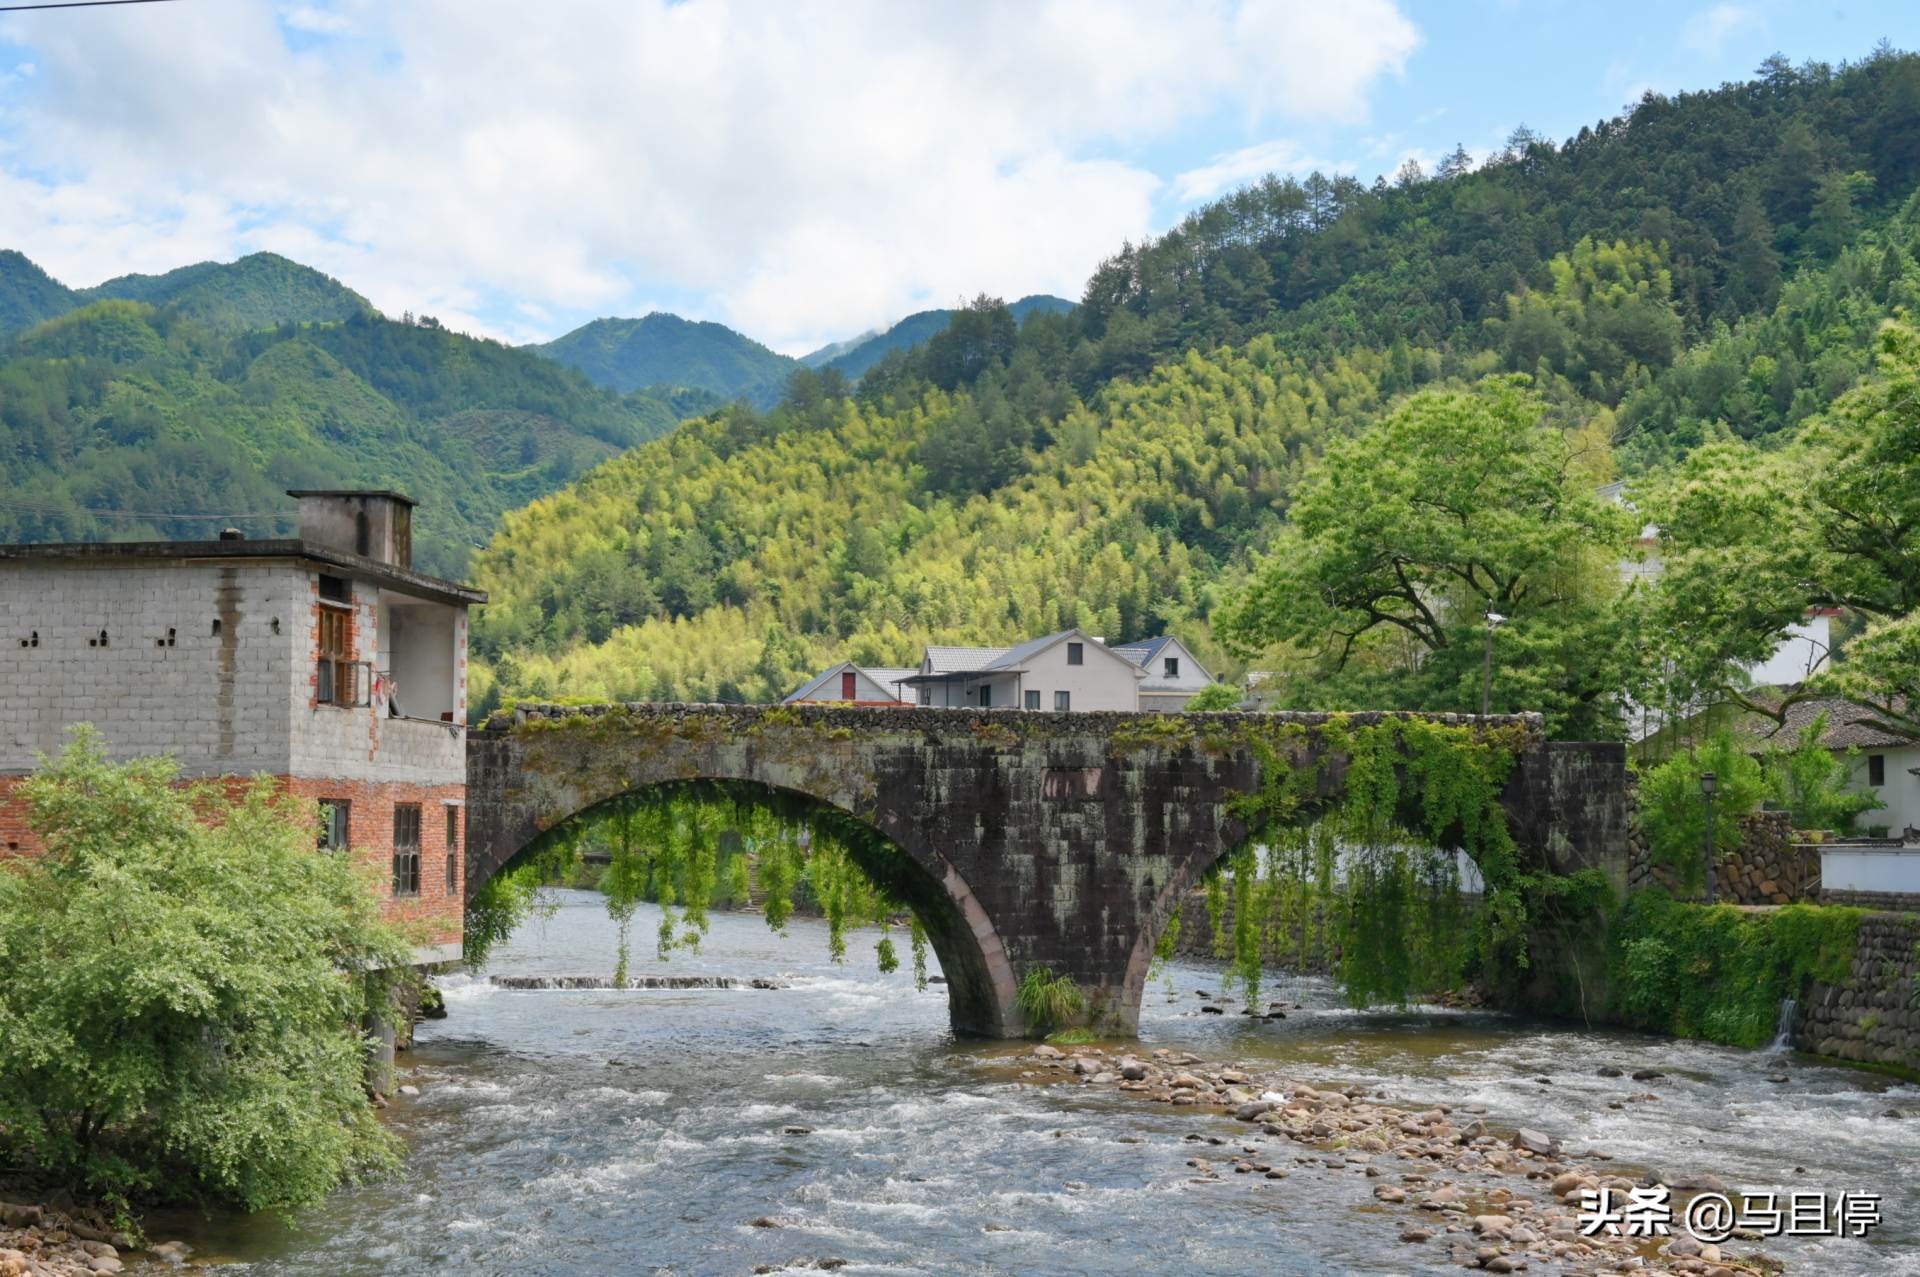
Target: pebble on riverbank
point(37, 1241)
point(1503, 1205)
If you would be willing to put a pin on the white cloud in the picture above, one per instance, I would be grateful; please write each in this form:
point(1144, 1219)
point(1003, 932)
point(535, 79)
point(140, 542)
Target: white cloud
point(812, 169)
point(1708, 31)
point(1236, 168)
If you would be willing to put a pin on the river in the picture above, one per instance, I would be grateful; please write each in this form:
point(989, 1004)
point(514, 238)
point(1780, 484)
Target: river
point(594, 1132)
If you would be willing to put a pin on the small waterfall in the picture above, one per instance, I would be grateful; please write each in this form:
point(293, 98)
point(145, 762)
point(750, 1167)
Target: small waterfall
point(1783, 1027)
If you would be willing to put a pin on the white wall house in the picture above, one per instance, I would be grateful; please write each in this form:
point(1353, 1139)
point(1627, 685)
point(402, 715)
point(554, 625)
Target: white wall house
point(850, 684)
point(1174, 675)
point(1878, 762)
point(1063, 673)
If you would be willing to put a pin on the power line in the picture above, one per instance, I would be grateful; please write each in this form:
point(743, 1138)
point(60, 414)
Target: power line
point(74, 4)
point(29, 507)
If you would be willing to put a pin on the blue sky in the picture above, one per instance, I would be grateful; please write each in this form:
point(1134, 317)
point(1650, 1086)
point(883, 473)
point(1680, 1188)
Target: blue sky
point(802, 172)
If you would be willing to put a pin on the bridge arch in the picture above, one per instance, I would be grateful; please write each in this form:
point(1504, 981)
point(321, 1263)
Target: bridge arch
point(980, 980)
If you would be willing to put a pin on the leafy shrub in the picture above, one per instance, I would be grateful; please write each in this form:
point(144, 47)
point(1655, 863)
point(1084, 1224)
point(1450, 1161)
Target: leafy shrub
point(181, 981)
point(1214, 696)
point(1810, 780)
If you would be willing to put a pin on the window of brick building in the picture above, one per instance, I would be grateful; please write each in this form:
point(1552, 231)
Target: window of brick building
point(1033, 700)
point(335, 822)
point(1076, 654)
point(406, 849)
point(1876, 769)
point(1170, 667)
point(1063, 701)
point(335, 684)
point(453, 848)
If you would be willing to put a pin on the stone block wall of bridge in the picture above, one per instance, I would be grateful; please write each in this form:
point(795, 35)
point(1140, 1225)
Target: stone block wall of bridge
point(1056, 840)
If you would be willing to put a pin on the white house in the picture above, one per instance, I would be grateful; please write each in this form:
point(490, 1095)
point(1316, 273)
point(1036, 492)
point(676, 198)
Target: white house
point(1881, 763)
point(847, 683)
point(1061, 672)
point(1174, 675)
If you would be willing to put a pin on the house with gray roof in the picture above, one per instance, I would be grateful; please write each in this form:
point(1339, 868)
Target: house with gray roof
point(1881, 762)
point(850, 684)
point(1174, 675)
point(1063, 672)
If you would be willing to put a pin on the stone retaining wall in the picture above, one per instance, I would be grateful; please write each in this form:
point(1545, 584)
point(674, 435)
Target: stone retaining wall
point(1891, 901)
point(1874, 1018)
point(1767, 868)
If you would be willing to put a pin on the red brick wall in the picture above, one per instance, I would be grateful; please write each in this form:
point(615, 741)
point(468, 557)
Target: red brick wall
point(15, 840)
point(370, 836)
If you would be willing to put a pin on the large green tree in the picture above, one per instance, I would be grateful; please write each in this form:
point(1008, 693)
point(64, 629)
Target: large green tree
point(1401, 541)
point(1751, 540)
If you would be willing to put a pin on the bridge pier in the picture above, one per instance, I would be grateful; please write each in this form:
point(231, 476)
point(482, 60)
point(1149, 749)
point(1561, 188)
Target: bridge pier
point(1022, 840)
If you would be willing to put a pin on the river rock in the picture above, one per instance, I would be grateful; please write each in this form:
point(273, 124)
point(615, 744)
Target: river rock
point(1046, 1052)
point(19, 1216)
point(13, 1264)
point(1253, 1110)
point(1131, 1069)
point(174, 1253)
point(1533, 1141)
point(1646, 1075)
point(1607, 1070)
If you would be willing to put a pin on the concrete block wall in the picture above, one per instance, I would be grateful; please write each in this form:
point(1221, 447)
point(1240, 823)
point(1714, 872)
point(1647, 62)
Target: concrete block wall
point(163, 681)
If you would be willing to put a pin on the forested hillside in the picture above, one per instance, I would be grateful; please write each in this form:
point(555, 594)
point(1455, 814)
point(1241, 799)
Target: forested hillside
point(28, 295)
point(667, 352)
point(257, 291)
point(120, 413)
point(852, 359)
point(1708, 265)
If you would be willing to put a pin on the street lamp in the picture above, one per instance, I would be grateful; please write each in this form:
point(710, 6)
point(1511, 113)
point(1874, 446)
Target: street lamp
point(1709, 785)
point(1494, 620)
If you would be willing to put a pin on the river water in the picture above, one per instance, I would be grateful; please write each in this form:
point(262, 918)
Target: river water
point(595, 1132)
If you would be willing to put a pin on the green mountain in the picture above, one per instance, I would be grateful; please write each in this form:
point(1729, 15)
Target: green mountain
point(28, 295)
point(257, 291)
point(119, 415)
point(1706, 264)
point(666, 351)
point(851, 359)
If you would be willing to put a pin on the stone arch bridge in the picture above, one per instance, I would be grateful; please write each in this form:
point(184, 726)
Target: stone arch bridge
point(1059, 839)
